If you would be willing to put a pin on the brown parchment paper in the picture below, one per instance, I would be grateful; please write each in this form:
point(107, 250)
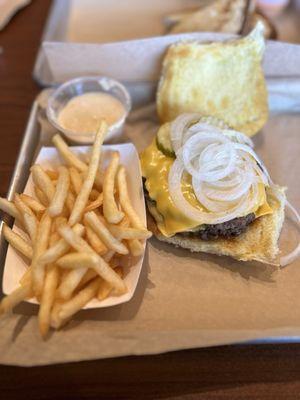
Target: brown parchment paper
point(185, 300)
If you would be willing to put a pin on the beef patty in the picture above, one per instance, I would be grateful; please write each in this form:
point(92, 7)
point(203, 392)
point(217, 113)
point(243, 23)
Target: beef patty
point(226, 230)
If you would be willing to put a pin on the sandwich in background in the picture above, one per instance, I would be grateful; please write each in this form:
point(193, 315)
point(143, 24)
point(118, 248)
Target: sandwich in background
point(228, 16)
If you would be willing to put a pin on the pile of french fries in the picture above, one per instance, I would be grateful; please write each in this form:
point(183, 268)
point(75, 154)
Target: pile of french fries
point(79, 227)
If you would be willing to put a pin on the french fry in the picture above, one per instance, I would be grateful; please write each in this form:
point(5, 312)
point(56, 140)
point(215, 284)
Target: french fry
point(17, 242)
point(110, 209)
point(29, 219)
point(135, 246)
point(59, 248)
point(33, 204)
point(47, 298)
point(22, 206)
point(61, 192)
point(30, 223)
point(70, 282)
point(9, 208)
point(94, 194)
point(40, 246)
point(53, 175)
point(82, 198)
point(70, 158)
point(58, 222)
point(108, 256)
point(105, 288)
point(125, 200)
point(42, 198)
point(55, 321)
point(70, 201)
point(26, 278)
point(88, 276)
point(72, 306)
point(54, 237)
point(128, 233)
point(125, 223)
point(95, 242)
point(92, 220)
point(78, 260)
point(76, 179)
point(42, 181)
point(14, 298)
point(95, 204)
point(103, 268)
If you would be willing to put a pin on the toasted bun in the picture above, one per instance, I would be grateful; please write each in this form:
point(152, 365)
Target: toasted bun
point(258, 243)
point(224, 80)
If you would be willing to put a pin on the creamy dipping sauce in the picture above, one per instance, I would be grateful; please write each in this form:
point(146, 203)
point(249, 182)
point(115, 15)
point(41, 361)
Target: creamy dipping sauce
point(83, 113)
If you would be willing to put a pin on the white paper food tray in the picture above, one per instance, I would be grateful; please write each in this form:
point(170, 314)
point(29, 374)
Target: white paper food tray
point(15, 265)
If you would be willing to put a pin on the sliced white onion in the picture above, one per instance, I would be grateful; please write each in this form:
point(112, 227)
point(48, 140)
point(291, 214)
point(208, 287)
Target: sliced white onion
point(225, 170)
point(178, 127)
point(238, 137)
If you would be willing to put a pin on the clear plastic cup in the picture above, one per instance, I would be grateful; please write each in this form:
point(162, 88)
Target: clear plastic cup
point(75, 87)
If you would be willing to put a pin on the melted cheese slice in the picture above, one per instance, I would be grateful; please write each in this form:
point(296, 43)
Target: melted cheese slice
point(155, 168)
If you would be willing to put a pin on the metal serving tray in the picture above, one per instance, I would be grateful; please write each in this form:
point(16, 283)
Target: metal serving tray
point(34, 138)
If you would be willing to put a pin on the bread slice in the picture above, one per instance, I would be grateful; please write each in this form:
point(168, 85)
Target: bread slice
point(224, 80)
point(258, 243)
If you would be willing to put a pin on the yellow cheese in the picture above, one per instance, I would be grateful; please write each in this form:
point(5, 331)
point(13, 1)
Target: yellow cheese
point(155, 168)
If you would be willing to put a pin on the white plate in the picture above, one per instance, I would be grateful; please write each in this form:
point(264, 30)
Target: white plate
point(15, 266)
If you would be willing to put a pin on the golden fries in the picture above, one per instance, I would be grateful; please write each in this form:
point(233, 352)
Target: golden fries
point(61, 191)
point(29, 219)
point(77, 260)
point(17, 242)
point(42, 198)
point(125, 200)
point(30, 224)
point(87, 186)
point(136, 247)
point(100, 265)
point(95, 242)
point(9, 208)
point(40, 246)
point(14, 298)
point(42, 181)
point(53, 175)
point(80, 300)
point(76, 179)
point(47, 299)
point(32, 203)
point(95, 204)
point(60, 248)
point(94, 194)
point(110, 210)
point(128, 233)
point(105, 288)
point(82, 227)
point(70, 158)
point(104, 234)
point(70, 282)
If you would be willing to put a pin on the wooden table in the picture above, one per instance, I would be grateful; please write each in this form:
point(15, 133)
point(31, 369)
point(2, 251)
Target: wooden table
point(231, 372)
